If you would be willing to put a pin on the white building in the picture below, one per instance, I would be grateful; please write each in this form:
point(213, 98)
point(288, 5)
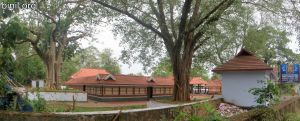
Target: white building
point(239, 75)
point(37, 83)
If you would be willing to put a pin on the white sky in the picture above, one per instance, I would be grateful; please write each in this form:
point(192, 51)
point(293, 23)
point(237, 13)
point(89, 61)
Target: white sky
point(106, 39)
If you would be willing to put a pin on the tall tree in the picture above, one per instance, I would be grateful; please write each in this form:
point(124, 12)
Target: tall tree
point(108, 62)
point(180, 26)
point(25, 57)
point(90, 57)
point(54, 28)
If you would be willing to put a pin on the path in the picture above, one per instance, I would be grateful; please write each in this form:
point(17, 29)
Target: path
point(153, 104)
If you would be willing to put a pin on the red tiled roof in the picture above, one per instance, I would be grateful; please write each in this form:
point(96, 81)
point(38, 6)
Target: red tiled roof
point(243, 61)
point(85, 72)
point(198, 80)
point(214, 83)
point(122, 80)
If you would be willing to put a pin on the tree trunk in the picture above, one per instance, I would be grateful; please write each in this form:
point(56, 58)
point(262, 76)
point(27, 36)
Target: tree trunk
point(50, 62)
point(181, 70)
point(59, 59)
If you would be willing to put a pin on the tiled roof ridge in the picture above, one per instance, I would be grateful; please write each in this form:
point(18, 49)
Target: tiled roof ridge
point(129, 75)
point(244, 60)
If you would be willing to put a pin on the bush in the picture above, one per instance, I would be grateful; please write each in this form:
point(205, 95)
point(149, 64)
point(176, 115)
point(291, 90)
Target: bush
point(264, 114)
point(286, 88)
point(39, 105)
point(210, 114)
point(269, 93)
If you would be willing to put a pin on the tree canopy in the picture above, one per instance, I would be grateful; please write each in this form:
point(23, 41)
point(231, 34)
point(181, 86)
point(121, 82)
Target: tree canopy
point(204, 32)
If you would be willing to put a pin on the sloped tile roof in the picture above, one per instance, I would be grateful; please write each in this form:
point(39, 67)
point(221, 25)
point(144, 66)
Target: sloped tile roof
point(198, 80)
point(243, 61)
point(122, 80)
point(85, 72)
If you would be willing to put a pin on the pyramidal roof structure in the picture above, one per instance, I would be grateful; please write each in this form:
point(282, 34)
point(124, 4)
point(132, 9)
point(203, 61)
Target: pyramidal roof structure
point(243, 61)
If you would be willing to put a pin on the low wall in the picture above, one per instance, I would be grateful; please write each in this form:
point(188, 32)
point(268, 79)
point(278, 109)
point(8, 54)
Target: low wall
point(59, 96)
point(289, 106)
point(164, 113)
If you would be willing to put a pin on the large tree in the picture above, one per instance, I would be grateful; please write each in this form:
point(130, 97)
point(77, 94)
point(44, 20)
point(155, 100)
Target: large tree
point(246, 27)
point(54, 28)
point(180, 25)
point(90, 57)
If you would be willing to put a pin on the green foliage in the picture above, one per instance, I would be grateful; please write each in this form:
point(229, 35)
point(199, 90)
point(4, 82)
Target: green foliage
point(26, 58)
point(210, 114)
point(39, 105)
point(109, 63)
point(68, 69)
point(2, 87)
point(286, 89)
point(11, 32)
point(268, 43)
point(164, 69)
point(90, 57)
point(291, 117)
point(269, 93)
point(264, 114)
point(6, 59)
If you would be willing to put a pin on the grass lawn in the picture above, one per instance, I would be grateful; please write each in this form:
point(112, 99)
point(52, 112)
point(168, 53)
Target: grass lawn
point(62, 107)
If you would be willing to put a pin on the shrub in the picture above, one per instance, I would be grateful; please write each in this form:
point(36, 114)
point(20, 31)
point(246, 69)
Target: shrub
point(264, 114)
point(269, 93)
point(210, 114)
point(39, 105)
point(286, 88)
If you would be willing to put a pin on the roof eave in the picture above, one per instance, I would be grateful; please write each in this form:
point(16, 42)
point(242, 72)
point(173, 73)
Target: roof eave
point(235, 70)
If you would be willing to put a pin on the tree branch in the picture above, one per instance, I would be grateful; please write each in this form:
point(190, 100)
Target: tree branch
point(212, 19)
point(200, 44)
point(46, 15)
point(208, 15)
point(74, 38)
point(183, 20)
point(172, 19)
point(149, 26)
point(163, 23)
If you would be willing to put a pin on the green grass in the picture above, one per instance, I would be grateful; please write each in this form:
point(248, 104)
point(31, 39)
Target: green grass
point(293, 117)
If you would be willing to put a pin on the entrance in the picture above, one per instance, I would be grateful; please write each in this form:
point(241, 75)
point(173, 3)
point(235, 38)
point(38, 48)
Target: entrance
point(149, 93)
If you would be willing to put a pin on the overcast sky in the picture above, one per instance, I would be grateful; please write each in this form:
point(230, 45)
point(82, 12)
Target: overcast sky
point(106, 39)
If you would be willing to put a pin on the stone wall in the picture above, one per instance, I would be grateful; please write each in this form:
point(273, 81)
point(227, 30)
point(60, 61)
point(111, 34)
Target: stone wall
point(166, 113)
point(291, 105)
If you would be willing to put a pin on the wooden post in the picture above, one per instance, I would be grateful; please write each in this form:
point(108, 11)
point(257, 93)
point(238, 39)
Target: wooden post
point(119, 90)
point(139, 90)
point(103, 90)
point(133, 90)
point(199, 89)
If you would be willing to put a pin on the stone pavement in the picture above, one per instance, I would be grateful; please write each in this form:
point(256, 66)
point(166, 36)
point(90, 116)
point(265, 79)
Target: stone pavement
point(154, 104)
